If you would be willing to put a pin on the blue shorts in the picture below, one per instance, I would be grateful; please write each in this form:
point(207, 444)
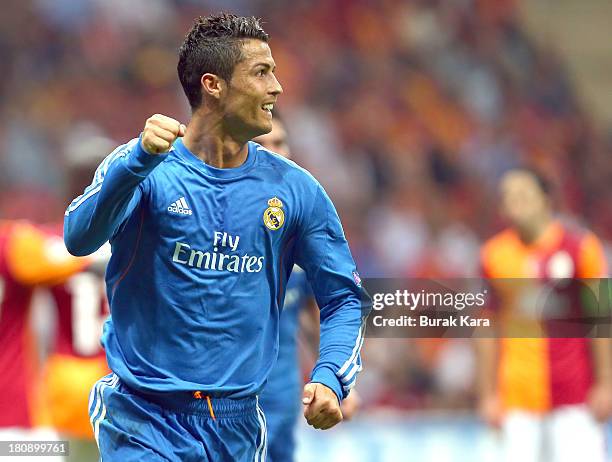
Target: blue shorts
point(174, 427)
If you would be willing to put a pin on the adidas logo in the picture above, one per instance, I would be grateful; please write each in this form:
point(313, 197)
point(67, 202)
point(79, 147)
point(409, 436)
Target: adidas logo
point(180, 206)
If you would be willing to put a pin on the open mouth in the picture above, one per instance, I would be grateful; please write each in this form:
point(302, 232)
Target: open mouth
point(268, 108)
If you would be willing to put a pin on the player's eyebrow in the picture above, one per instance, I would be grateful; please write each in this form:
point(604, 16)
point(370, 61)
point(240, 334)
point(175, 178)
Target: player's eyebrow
point(265, 65)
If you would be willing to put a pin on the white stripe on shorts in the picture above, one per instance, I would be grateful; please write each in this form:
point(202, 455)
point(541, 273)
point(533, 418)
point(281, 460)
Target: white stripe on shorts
point(100, 387)
point(262, 449)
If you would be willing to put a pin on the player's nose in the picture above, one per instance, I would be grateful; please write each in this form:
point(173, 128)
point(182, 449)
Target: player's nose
point(276, 88)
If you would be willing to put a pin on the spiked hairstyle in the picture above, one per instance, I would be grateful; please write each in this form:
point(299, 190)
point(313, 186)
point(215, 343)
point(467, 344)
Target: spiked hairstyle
point(213, 45)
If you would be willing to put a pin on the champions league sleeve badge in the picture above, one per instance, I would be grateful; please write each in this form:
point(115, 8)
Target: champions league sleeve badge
point(357, 278)
point(274, 216)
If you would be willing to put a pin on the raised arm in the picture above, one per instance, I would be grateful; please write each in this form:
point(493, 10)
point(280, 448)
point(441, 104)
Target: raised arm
point(94, 217)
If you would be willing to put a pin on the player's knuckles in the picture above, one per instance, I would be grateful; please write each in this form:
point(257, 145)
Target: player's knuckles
point(315, 417)
point(164, 134)
point(322, 420)
point(317, 422)
point(312, 421)
point(328, 422)
point(165, 122)
point(151, 134)
point(153, 121)
point(310, 413)
point(172, 126)
point(332, 422)
point(327, 425)
point(157, 118)
point(333, 417)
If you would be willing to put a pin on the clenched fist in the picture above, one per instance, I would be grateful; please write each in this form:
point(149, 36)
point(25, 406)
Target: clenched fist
point(160, 132)
point(321, 407)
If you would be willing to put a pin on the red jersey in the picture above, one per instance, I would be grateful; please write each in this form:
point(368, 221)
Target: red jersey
point(28, 258)
point(81, 310)
point(538, 374)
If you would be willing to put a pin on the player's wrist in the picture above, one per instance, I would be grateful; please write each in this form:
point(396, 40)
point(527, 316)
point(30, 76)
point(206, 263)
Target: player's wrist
point(326, 376)
point(141, 162)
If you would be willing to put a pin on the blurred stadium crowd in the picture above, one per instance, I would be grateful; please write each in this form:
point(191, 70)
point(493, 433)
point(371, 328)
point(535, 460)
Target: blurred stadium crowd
point(406, 111)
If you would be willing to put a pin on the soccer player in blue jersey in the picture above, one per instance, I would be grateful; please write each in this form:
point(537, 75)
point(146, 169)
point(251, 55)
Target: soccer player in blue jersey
point(280, 397)
point(205, 228)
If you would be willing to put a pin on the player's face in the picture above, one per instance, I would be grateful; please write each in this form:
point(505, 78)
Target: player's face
point(523, 201)
point(252, 91)
point(276, 140)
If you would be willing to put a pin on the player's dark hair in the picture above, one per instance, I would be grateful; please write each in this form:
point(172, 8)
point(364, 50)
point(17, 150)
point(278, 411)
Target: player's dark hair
point(214, 45)
point(542, 180)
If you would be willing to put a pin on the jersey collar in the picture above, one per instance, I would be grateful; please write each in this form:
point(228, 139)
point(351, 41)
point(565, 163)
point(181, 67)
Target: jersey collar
point(222, 173)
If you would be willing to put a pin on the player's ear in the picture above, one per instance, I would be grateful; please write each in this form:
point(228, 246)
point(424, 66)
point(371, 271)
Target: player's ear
point(212, 85)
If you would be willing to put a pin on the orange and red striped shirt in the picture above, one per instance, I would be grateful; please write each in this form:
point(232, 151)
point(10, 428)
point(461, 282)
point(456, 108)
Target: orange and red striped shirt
point(540, 373)
point(29, 257)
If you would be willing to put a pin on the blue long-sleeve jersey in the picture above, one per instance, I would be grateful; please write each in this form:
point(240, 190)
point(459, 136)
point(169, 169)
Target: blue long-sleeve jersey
point(199, 266)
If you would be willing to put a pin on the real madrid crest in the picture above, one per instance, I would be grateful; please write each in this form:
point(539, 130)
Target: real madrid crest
point(274, 217)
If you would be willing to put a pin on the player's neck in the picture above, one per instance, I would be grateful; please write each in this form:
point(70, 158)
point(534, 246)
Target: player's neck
point(207, 139)
point(534, 232)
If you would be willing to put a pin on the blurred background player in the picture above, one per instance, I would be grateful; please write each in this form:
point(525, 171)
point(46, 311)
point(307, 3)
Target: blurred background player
point(29, 258)
point(549, 396)
point(76, 359)
point(280, 399)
